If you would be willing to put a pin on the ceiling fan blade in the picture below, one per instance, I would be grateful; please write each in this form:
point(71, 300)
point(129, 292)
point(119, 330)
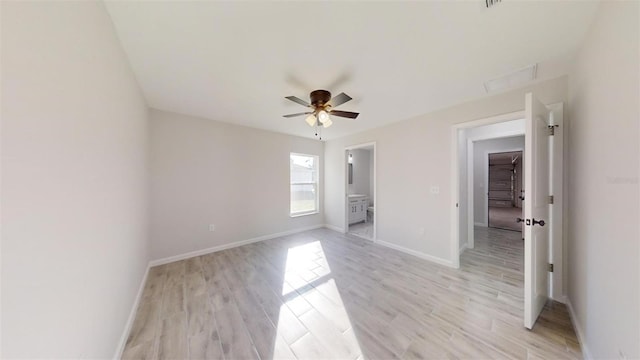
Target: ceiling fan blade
point(298, 100)
point(298, 114)
point(339, 99)
point(346, 114)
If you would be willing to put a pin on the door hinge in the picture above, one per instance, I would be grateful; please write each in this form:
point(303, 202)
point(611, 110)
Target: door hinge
point(552, 129)
point(550, 199)
point(550, 267)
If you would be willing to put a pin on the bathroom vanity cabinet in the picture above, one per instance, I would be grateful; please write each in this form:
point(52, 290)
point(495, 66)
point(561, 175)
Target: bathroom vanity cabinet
point(357, 208)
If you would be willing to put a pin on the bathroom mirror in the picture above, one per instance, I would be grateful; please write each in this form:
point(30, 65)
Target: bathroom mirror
point(350, 174)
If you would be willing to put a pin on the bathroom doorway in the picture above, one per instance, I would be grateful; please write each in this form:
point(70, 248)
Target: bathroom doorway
point(360, 190)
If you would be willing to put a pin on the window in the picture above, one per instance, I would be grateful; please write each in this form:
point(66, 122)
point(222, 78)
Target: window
point(304, 184)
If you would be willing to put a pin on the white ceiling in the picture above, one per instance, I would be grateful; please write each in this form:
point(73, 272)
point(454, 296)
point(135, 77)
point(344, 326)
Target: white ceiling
point(236, 61)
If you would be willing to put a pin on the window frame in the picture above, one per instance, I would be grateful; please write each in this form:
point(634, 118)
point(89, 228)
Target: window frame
point(316, 184)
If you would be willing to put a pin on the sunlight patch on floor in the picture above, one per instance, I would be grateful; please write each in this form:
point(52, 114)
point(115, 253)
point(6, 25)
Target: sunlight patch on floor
point(314, 314)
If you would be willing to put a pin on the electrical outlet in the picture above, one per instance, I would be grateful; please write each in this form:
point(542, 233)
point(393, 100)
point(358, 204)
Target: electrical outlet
point(435, 189)
point(212, 227)
point(421, 231)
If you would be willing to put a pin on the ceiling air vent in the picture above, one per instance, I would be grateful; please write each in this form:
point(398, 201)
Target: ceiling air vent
point(490, 3)
point(512, 80)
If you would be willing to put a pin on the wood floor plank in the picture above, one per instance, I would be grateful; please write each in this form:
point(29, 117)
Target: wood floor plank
point(431, 349)
point(199, 315)
point(155, 283)
point(173, 337)
point(140, 351)
point(308, 347)
point(219, 294)
point(146, 323)
point(370, 346)
point(173, 300)
point(195, 284)
point(235, 340)
point(205, 346)
point(287, 323)
point(340, 346)
point(193, 265)
point(334, 313)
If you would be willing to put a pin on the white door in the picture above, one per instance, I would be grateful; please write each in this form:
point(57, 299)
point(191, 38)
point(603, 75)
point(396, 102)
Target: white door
point(536, 209)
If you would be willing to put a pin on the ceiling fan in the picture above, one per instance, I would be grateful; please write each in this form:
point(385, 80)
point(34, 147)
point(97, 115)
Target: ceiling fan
point(321, 107)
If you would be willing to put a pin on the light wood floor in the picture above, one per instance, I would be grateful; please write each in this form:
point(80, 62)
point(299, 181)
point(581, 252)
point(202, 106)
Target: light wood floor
point(363, 229)
point(321, 294)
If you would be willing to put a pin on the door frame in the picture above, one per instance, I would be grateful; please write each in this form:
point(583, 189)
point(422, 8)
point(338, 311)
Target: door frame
point(557, 232)
point(375, 185)
point(486, 178)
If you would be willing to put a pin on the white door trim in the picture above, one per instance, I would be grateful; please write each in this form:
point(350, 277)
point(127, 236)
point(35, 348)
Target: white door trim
point(558, 210)
point(375, 185)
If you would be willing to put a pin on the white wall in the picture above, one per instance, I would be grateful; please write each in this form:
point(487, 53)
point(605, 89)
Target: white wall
point(361, 172)
point(74, 185)
point(480, 171)
point(206, 172)
point(604, 245)
point(413, 155)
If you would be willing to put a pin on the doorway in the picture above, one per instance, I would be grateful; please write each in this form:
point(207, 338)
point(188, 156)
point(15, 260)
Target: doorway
point(481, 194)
point(543, 204)
point(505, 190)
point(360, 190)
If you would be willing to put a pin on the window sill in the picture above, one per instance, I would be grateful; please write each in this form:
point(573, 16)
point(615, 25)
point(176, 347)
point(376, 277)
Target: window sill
point(304, 214)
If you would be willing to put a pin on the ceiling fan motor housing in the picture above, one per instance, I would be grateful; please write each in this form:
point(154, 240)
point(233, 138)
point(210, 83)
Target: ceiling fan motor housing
point(319, 98)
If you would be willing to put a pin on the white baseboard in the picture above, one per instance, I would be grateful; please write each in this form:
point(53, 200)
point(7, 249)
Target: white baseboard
point(480, 224)
point(132, 316)
point(579, 332)
point(213, 249)
point(415, 253)
point(334, 228)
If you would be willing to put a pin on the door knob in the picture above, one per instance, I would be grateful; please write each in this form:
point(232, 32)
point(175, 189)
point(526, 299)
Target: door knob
point(540, 222)
point(519, 220)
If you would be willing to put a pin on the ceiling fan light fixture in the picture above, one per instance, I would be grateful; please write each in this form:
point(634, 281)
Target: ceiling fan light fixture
point(320, 110)
point(323, 116)
point(311, 120)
